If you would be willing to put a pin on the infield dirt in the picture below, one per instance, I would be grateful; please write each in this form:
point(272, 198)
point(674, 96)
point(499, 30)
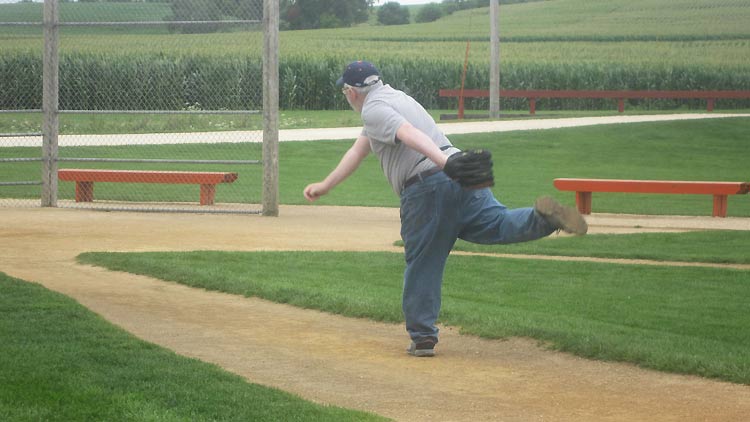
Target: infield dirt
point(341, 361)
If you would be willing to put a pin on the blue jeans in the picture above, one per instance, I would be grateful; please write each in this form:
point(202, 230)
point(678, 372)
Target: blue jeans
point(434, 213)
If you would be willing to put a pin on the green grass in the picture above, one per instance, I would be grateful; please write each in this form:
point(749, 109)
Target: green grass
point(247, 188)
point(608, 19)
point(562, 19)
point(61, 362)
point(715, 246)
point(684, 320)
point(113, 123)
point(92, 124)
point(86, 12)
point(526, 162)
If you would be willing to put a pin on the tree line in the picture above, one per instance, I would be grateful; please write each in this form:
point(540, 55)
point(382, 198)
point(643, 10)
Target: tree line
point(306, 14)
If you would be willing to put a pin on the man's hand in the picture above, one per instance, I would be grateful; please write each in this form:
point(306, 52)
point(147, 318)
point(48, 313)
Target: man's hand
point(314, 191)
point(472, 169)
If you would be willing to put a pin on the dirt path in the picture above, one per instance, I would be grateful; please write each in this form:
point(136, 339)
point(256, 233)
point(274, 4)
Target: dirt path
point(342, 361)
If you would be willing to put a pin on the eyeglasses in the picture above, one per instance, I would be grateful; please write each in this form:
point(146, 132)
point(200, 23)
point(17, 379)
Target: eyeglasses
point(345, 89)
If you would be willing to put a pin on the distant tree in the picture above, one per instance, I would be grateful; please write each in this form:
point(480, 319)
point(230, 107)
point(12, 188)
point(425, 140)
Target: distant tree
point(313, 14)
point(392, 13)
point(429, 13)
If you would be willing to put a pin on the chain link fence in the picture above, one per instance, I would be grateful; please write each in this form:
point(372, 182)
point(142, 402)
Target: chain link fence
point(139, 105)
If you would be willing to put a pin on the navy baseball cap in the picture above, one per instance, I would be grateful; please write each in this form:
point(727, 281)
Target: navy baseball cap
point(359, 74)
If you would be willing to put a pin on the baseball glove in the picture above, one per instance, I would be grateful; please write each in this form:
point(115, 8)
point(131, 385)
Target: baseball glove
point(472, 169)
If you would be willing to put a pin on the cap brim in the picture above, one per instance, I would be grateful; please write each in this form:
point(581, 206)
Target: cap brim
point(340, 82)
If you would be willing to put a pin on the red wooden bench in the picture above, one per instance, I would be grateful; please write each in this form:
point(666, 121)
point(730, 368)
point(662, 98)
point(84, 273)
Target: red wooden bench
point(584, 188)
point(85, 179)
point(620, 96)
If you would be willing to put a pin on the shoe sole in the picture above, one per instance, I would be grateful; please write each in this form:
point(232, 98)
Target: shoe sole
point(422, 353)
point(566, 218)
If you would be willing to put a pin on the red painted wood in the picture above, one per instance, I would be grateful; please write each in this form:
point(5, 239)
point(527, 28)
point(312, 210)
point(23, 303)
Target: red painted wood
point(584, 188)
point(709, 96)
point(138, 176)
point(85, 179)
point(547, 93)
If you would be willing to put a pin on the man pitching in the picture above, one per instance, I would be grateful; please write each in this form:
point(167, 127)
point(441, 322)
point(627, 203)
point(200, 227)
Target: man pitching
point(444, 194)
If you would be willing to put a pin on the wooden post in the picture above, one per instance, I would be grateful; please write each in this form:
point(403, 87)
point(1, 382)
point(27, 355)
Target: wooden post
point(583, 202)
point(50, 103)
point(84, 191)
point(271, 108)
point(720, 205)
point(208, 194)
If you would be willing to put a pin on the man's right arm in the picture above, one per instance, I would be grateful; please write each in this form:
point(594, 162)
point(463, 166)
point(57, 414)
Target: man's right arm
point(348, 164)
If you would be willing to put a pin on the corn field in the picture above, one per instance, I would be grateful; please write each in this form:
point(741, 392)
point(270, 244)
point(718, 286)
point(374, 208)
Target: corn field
point(562, 44)
point(103, 82)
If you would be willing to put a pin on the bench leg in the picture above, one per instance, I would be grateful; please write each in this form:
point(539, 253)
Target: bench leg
point(208, 192)
point(583, 202)
point(532, 105)
point(84, 191)
point(720, 206)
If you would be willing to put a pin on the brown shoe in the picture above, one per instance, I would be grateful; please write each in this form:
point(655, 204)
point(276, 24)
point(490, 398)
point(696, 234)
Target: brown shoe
point(561, 217)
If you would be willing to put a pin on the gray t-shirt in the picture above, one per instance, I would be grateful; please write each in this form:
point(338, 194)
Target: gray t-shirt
point(384, 111)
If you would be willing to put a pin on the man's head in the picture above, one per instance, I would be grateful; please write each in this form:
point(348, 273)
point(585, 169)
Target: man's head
point(358, 79)
point(359, 74)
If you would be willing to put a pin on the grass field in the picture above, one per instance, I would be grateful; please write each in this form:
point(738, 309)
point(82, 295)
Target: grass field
point(526, 162)
point(722, 247)
point(116, 123)
point(544, 20)
point(685, 320)
point(61, 362)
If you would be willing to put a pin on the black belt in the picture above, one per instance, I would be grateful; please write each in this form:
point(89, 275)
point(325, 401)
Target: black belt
point(421, 176)
point(443, 148)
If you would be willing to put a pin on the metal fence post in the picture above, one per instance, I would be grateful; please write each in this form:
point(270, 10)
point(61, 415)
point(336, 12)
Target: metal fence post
point(50, 126)
point(494, 59)
point(271, 108)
